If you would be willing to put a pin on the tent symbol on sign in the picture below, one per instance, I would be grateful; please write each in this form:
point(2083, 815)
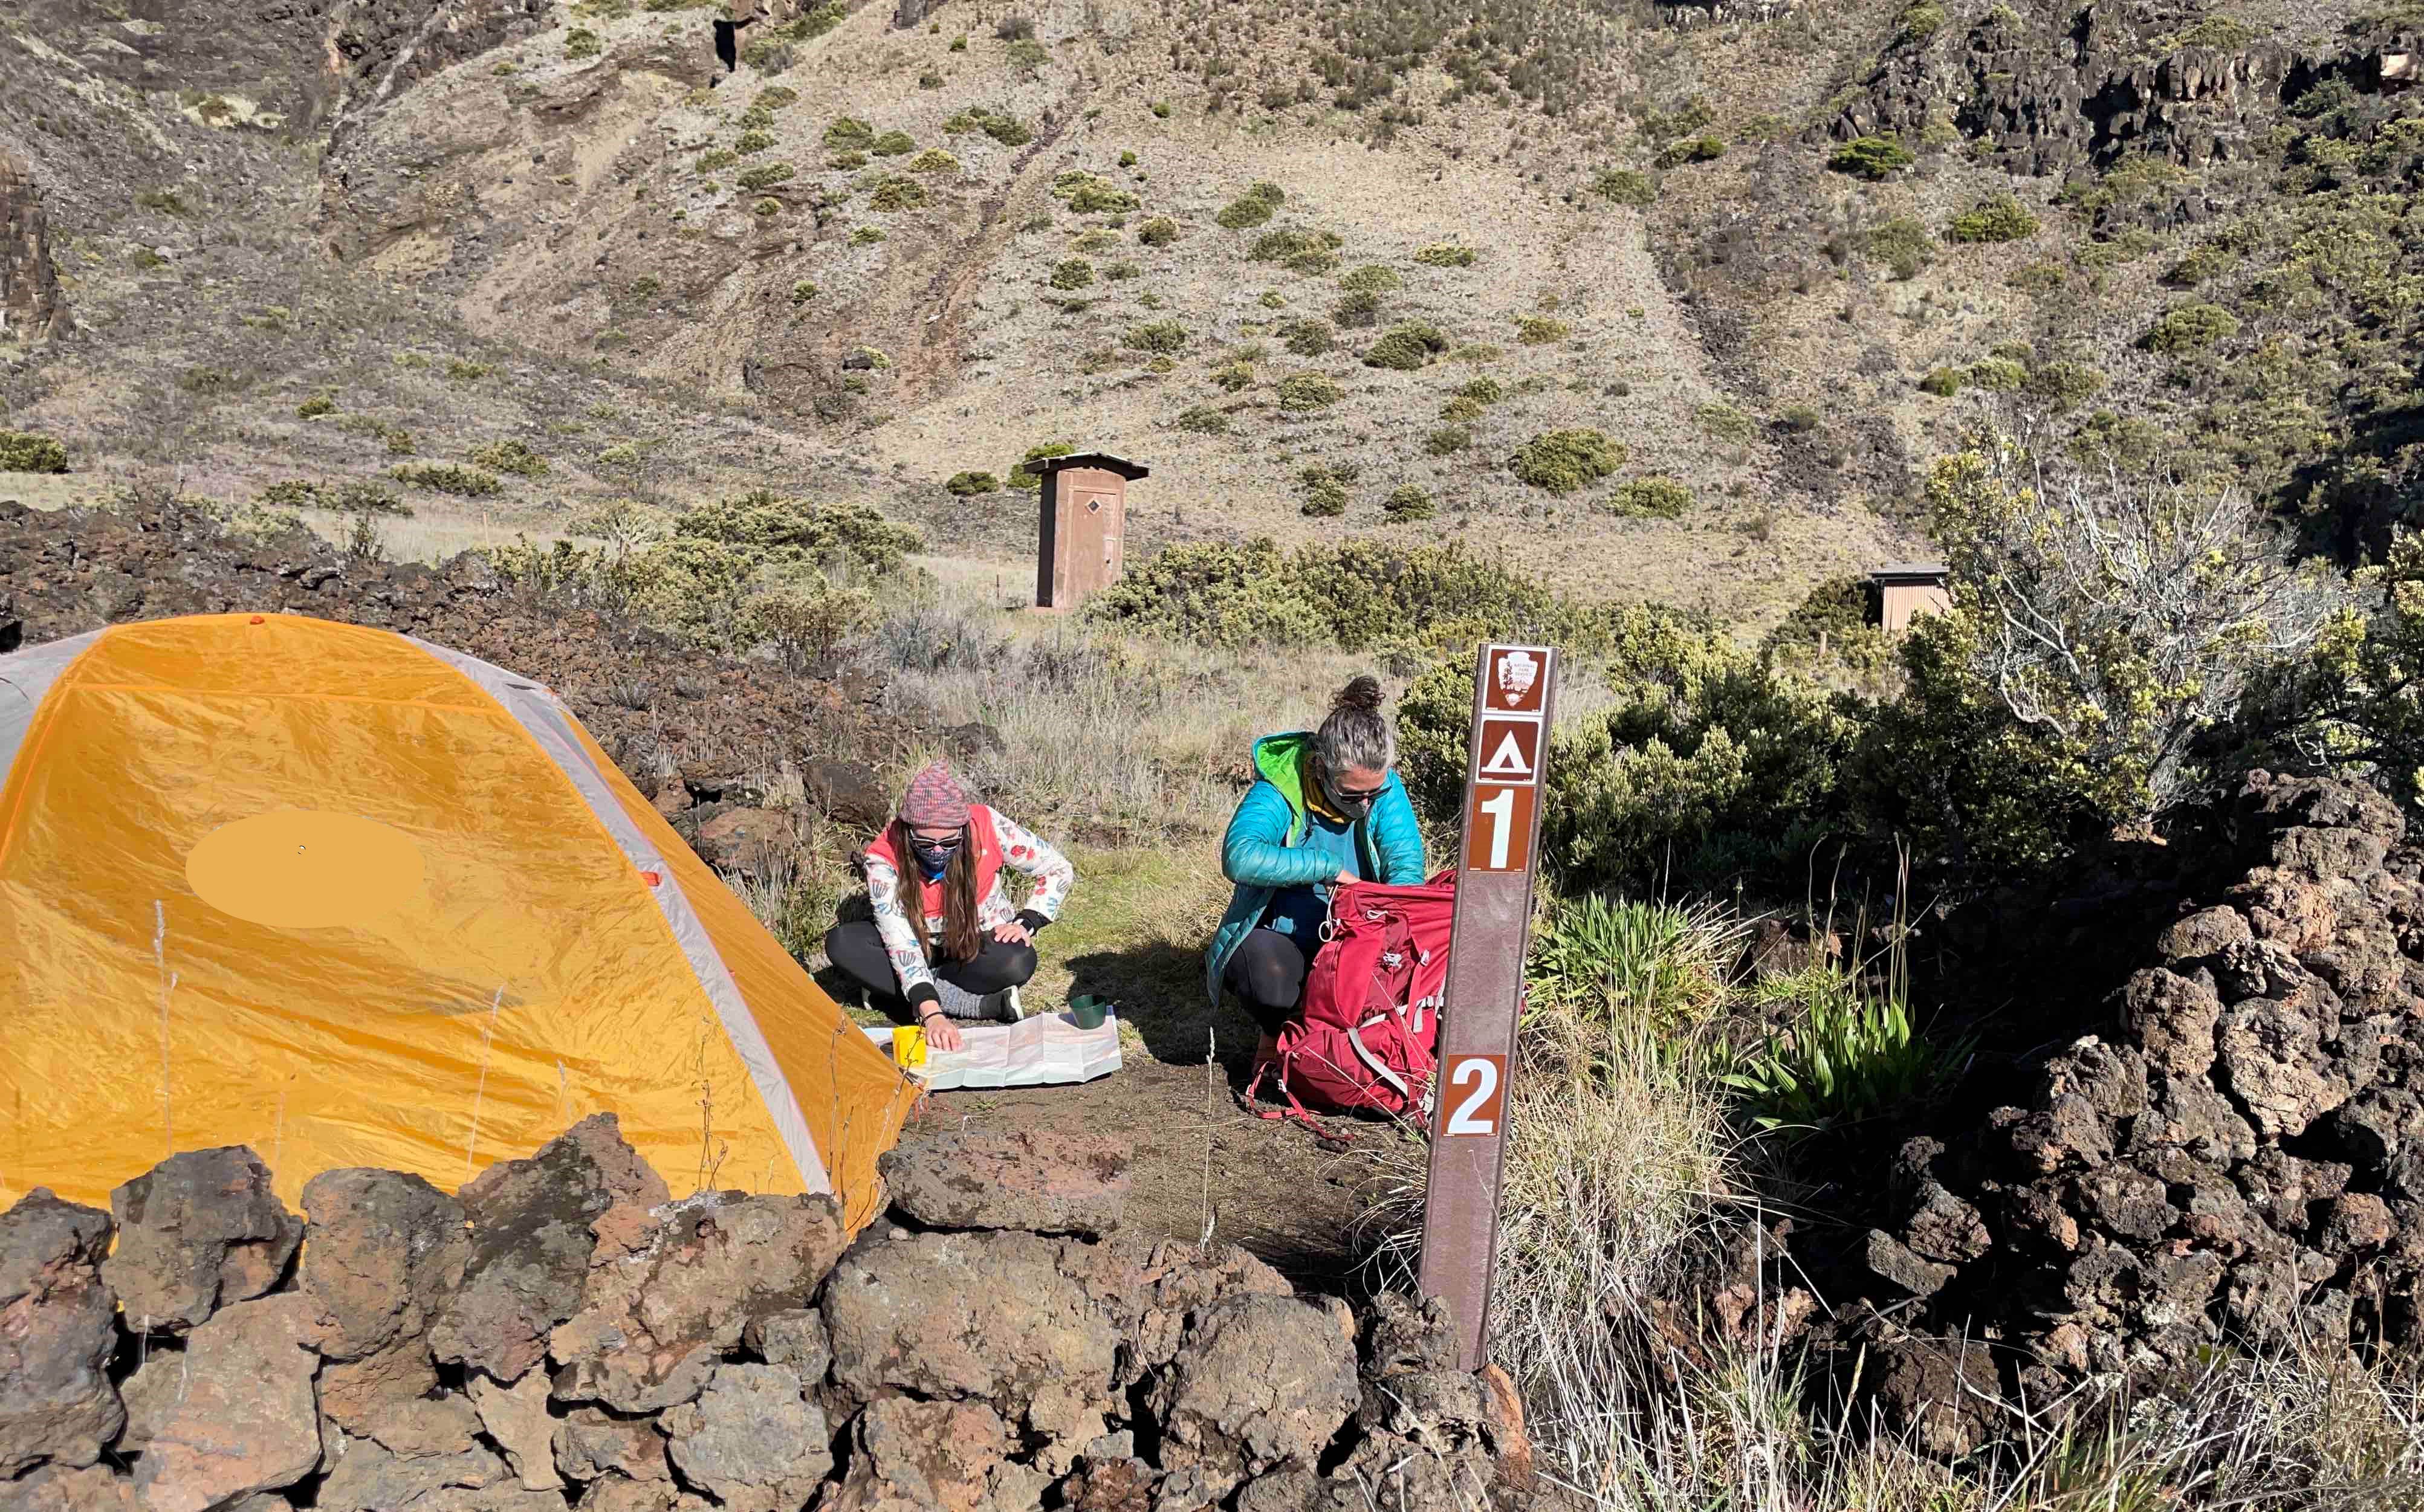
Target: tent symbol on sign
point(1511, 751)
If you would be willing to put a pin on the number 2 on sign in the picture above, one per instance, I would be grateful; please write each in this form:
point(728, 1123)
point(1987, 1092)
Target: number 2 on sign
point(1475, 1111)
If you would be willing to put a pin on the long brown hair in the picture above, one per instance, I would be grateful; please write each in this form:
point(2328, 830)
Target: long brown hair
point(962, 940)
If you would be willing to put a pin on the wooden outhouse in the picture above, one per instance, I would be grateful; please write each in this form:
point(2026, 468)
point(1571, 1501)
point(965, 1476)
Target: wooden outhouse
point(1083, 520)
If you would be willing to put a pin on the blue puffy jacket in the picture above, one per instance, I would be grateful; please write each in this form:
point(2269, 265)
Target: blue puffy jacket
point(1262, 851)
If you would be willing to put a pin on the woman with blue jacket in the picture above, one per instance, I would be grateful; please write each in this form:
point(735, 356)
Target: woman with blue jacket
point(1327, 808)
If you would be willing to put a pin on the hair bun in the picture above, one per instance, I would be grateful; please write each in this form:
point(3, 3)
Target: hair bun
point(1363, 693)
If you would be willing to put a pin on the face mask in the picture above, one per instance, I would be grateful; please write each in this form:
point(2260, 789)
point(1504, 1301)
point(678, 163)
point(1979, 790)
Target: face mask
point(1352, 805)
point(935, 859)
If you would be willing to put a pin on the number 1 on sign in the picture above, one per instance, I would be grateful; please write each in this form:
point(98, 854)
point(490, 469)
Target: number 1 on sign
point(1501, 811)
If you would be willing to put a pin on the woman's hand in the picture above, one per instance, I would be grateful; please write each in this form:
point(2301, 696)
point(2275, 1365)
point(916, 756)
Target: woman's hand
point(941, 1033)
point(1345, 879)
point(1014, 933)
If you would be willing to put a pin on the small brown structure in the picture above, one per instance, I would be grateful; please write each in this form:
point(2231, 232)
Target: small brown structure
point(1900, 590)
point(1084, 517)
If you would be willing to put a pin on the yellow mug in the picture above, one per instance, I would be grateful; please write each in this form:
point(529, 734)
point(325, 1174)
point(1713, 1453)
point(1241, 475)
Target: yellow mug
point(909, 1044)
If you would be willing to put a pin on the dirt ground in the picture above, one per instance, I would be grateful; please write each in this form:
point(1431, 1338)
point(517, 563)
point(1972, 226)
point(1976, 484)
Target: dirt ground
point(1202, 1164)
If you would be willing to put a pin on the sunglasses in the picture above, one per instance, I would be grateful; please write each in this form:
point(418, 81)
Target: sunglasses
point(937, 842)
point(1357, 795)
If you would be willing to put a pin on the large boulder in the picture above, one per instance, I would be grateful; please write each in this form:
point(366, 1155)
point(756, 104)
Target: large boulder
point(58, 1330)
point(369, 1478)
point(57, 1488)
point(1943, 1392)
point(593, 1444)
point(752, 1440)
point(198, 1231)
point(989, 1317)
point(653, 1322)
point(1151, 1290)
point(30, 305)
point(1261, 1381)
point(234, 1413)
point(531, 1243)
point(384, 1253)
point(1042, 1184)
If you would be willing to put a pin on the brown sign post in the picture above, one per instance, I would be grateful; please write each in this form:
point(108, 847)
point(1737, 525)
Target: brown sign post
point(1514, 696)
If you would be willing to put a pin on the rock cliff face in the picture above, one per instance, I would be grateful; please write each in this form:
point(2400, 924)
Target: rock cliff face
point(2047, 97)
point(2240, 1153)
point(31, 308)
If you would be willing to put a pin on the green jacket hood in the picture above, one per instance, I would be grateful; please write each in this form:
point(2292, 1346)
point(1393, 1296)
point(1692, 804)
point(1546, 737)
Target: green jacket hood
point(1281, 760)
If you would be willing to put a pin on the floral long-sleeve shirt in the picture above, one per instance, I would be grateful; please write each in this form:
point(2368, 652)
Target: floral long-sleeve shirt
point(1022, 851)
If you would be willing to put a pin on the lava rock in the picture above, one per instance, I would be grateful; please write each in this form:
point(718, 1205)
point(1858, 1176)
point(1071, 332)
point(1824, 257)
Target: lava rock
point(235, 1411)
point(531, 1245)
point(59, 1329)
point(1260, 1383)
point(752, 1440)
point(989, 1317)
point(198, 1231)
point(1042, 1184)
point(383, 1252)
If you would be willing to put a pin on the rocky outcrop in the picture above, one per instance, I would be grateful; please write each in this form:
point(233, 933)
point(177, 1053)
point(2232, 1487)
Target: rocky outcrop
point(31, 306)
point(2057, 93)
point(1048, 1183)
point(2236, 1158)
point(719, 1352)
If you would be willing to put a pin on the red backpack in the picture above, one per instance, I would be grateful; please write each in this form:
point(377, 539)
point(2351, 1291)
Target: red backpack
point(1367, 1036)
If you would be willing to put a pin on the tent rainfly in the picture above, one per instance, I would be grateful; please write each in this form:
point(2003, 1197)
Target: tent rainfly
point(354, 900)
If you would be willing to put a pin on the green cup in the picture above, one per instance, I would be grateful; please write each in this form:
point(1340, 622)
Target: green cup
point(1089, 1011)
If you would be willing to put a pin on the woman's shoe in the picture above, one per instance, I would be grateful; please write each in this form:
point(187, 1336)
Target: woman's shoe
point(1004, 1006)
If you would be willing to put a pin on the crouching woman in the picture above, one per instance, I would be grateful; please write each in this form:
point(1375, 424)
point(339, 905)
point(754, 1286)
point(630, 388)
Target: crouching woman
point(945, 939)
point(1327, 808)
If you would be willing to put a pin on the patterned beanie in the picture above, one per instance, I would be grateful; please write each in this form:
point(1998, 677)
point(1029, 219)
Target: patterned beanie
point(935, 800)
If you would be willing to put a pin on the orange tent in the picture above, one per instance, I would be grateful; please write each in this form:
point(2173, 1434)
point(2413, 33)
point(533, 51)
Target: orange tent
point(354, 900)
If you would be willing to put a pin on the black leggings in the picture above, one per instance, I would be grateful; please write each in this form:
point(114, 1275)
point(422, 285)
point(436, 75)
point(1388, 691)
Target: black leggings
point(858, 948)
point(1268, 972)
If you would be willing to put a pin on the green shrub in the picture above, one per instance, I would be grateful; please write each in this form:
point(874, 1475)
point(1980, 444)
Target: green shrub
point(2039, 278)
point(315, 407)
point(1902, 244)
point(2066, 385)
point(1920, 21)
point(1447, 440)
point(581, 42)
point(1301, 392)
point(867, 236)
point(1407, 504)
point(1203, 420)
point(1372, 277)
point(853, 539)
point(1998, 218)
point(1073, 273)
point(1563, 461)
point(352, 496)
point(2202, 263)
point(1997, 374)
point(895, 192)
point(2190, 328)
point(1690, 149)
point(1540, 330)
point(510, 456)
point(1096, 197)
point(1943, 383)
point(1461, 409)
point(715, 158)
point(1701, 747)
point(893, 144)
point(768, 205)
point(968, 484)
point(802, 292)
point(1243, 214)
point(1625, 186)
point(1160, 231)
point(1724, 422)
point(847, 162)
point(1022, 474)
point(960, 43)
point(765, 176)
point(31, 451)
point(1122, 272)
point(1406, 347)
point(2224, 32)
point(1234, 376)
point(1309, 337)
point(1162, 335)
point(1870, 157)
point(775, 97)
point(1102, 238)
point(1028, 54)
point(934, 160)
point(752, 142)
point(1127, 159)
point(1162, 110)
point(1482, 390)
point(1357, 312)
point(849, 132)
point(463, 482)
point(1324, 493)
point(1651, 498)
